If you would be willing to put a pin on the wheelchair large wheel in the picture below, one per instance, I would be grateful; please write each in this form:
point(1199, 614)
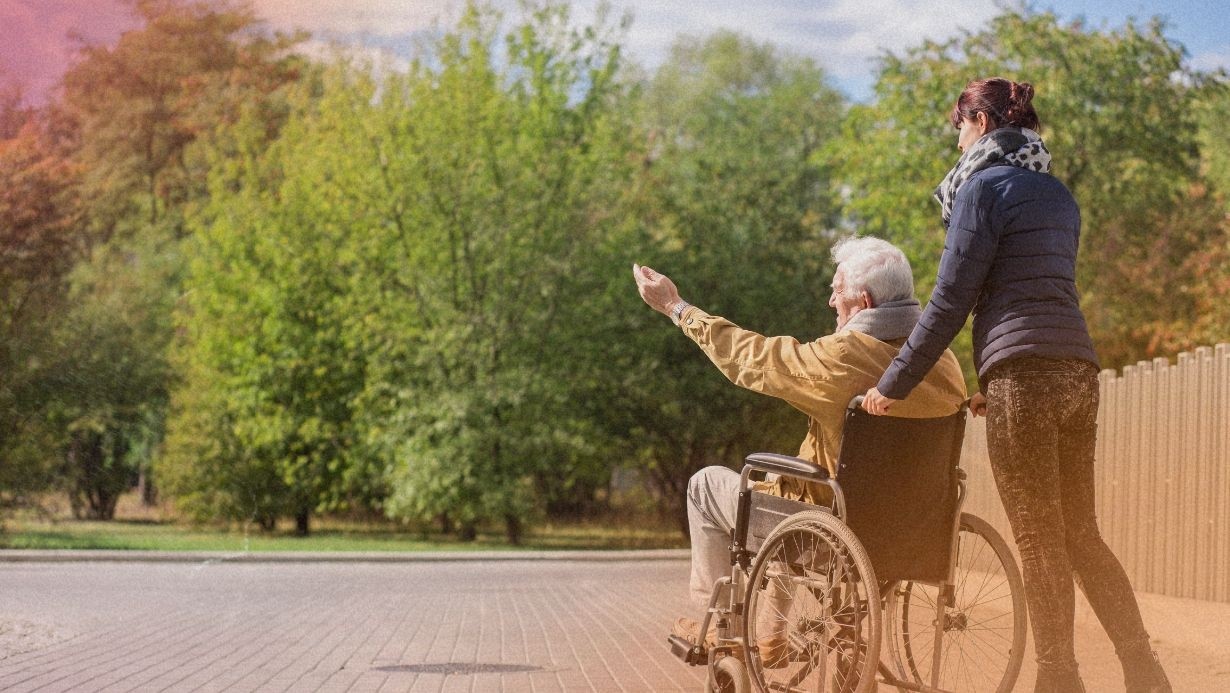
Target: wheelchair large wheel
point(984, 626)
point(813, 609)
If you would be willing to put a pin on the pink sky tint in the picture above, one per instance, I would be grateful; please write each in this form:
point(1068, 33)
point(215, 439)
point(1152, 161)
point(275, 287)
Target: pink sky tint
point(36, 41)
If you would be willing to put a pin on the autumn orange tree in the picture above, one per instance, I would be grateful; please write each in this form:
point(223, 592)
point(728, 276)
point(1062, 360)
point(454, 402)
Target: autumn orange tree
point(107, 174)
point(38, 246)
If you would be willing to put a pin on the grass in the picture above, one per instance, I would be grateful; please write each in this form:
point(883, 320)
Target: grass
point(138, 528)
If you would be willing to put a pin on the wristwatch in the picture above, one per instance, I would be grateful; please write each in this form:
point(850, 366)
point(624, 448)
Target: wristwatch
point(677, 311)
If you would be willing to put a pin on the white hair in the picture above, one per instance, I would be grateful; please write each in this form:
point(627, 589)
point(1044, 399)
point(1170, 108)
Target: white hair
point(876, 266)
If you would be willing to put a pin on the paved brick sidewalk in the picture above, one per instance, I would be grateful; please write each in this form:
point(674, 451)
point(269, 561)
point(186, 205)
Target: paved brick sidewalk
point(507, 624)
point(423, 626)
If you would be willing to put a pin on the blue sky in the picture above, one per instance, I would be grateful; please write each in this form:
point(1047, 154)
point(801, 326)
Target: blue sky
point(844, 36)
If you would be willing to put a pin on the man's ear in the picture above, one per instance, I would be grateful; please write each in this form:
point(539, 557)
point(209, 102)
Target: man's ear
point(868, 301)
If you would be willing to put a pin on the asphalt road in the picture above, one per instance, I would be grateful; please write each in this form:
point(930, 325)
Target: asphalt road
point(427, 625)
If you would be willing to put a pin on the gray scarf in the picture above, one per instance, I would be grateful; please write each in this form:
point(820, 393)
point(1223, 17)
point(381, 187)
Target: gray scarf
point(1009, 145)
point(886, 322)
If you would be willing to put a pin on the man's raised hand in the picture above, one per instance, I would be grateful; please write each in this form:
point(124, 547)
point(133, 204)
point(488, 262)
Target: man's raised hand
point(655, 288)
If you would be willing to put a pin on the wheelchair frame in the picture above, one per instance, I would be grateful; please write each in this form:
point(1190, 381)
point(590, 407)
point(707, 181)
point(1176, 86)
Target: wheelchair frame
point(733, 663)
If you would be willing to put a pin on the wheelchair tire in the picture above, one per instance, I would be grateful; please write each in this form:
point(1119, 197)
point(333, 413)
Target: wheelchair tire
point(813, 609)
point(984, 629)
point(728, 675)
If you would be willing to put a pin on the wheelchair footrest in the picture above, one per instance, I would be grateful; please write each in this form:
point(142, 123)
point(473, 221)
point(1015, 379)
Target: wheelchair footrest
point(686, 650)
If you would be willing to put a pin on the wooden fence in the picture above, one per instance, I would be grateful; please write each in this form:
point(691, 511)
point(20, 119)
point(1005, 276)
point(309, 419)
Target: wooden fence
point(1163, 473)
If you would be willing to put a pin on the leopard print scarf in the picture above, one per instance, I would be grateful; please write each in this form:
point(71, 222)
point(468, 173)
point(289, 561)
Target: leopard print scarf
point(1009, 145)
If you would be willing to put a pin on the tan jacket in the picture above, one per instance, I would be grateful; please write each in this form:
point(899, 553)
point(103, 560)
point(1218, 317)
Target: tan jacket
point(819, 379)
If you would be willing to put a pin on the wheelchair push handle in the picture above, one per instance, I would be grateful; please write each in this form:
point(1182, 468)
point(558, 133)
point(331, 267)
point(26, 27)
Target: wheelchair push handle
point(857, 403)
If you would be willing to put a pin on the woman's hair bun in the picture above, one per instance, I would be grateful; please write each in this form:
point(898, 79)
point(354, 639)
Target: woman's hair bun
point(1019, 111)
point(1003, 101)
point(1020, 93)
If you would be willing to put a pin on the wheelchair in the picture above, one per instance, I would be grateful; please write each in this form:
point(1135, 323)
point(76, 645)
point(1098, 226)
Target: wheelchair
point(890, 583)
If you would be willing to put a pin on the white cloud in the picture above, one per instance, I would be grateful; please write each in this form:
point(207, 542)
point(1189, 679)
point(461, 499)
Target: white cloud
point(844, 36)
point(1212, 60)
point(376, 17)
point(381, 59)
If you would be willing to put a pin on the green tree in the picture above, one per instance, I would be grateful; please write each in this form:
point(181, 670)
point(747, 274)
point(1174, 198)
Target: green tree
point(376, 293)
point(1118, 116)
point(1206, 280)
point(731, 203)
point(1214, 139)
point(254, 427)
point(516, 168)
point(262, 423)
point(110, 347)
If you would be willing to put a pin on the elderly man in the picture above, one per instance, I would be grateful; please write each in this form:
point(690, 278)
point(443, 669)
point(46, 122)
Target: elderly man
point(873, 294)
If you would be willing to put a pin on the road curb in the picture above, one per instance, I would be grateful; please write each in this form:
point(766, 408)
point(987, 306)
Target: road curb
point(126, 556)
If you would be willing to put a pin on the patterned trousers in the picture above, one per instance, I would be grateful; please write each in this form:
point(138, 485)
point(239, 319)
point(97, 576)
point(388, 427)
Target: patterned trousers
point(1041, 431)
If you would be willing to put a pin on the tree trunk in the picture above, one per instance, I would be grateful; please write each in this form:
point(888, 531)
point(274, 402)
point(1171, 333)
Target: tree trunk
point(146, 489)
point(514, 529)
point(468, 532)
point(96, 485)
point(301, 523)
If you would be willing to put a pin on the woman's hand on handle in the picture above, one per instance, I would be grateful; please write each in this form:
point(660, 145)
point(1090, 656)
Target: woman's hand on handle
point(876, 403)
point(978, 404)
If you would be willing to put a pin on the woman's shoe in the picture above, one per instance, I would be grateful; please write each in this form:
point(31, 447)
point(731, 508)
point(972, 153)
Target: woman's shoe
point(1144, 674)
point(1058, 681)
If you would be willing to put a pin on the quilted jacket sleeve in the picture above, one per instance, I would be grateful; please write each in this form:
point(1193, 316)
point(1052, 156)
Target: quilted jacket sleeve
point(969, 251)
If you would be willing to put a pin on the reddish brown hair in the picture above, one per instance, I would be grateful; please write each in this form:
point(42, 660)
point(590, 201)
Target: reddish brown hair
point(1005, 102)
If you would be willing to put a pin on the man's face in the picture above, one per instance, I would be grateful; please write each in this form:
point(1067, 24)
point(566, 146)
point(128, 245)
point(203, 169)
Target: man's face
point(844, 300)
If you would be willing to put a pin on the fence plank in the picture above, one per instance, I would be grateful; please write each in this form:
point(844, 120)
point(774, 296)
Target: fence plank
point(1162, 472)
point(1221, 564)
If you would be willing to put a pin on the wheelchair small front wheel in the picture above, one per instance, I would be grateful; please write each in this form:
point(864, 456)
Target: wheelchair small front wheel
point(982, 643)
point(813, 609)
point(728, 675)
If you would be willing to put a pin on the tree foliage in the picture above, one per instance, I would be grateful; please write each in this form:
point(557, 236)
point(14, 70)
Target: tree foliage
point(518, 164)
point(402, 274)
point(95, 200)
point(731, 203)
point(1118, 114)
point(38, 246)
point(300, 287)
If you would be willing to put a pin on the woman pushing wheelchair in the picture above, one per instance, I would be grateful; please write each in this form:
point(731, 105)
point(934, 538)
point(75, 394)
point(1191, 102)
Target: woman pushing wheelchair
point(1010, 258)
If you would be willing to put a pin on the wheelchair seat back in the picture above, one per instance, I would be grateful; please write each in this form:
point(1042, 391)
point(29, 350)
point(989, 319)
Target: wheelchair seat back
point(899, 478)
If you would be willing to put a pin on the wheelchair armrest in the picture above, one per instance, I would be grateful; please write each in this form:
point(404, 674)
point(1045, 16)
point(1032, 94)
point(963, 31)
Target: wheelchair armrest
point(785, 464)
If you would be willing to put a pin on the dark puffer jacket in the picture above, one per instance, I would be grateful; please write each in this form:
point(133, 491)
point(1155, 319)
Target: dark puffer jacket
point(1010, 257)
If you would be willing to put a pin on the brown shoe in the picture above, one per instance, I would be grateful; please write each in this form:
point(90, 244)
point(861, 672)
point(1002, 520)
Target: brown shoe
point(774, 650)
point(689, 630)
